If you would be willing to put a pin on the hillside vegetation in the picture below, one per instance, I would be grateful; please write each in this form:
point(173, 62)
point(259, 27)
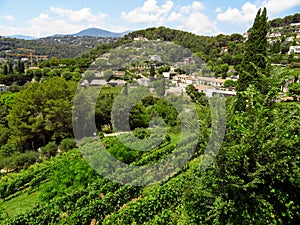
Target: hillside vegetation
point(241, 165)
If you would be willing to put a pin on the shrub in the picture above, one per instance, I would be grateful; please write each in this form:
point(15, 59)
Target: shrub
point(141, 133)
point(49, 150)
point(19, 160)
point(67, 144)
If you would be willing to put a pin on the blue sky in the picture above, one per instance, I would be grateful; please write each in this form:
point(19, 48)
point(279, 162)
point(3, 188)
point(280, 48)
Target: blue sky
point(40, 18)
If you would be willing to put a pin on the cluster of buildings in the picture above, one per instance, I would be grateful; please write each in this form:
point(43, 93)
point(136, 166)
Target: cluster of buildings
point(210, 86)
point(175, 85)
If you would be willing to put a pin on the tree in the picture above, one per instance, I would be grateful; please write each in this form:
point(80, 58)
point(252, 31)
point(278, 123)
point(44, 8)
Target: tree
point(41, 112)
point(229, 84)
point(152, 73)
point(224, 70)
point(195, 95)
point(252, 182)
point(5, 69)
point(159, 86)
point(10, 68)
point(108, 74)
point(276, 46)
point(294, 90)
point(255, 63)
point(89, 75)
point(21, 67)
point(49, 150)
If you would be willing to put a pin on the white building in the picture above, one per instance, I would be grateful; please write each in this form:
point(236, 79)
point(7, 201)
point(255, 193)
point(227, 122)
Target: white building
point(221, 93)
point(211, 81)
point(117, 83)
point(166, 75)
point(294, 49)
point(3, 87)
point(98, 82)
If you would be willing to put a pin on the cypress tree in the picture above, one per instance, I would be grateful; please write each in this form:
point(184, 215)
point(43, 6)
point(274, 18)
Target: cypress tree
point(5, 69)
point(255, 63)
point(152, 73)
point(10, 68)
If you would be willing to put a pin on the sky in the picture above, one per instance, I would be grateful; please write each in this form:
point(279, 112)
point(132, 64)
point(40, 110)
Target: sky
point(41, 18)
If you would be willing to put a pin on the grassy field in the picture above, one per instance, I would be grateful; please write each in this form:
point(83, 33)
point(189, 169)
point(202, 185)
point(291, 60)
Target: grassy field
point(19, 204)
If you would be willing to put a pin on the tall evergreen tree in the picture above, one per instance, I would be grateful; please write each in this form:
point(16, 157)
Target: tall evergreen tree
point(152, 73)
point(10, 68)
point(21, 67)
point(255, 63)
point(5, 69)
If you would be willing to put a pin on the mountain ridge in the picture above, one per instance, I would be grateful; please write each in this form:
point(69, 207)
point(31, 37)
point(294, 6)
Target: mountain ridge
point(21, 36)
point(88, 32)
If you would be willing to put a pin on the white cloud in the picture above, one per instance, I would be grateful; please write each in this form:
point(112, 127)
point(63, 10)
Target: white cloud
point(239, 16)
point(277, 6)
point(187, 17)
point(199, 23)
point(83, 15)
point(150, 12)
point(58, 20)
point(65, 21)
point(196, 6)
point(45, 25)
point(218, 10)
point(8, 17)
point(175, 17)
point(247, 12)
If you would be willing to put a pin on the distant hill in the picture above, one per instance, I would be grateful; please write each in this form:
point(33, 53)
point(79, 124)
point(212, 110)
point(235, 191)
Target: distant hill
point(279, 22)
point(20, 36)
point(95, 32)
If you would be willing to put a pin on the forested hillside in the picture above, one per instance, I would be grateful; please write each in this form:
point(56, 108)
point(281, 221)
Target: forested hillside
point(209, 160)
point(58, 46)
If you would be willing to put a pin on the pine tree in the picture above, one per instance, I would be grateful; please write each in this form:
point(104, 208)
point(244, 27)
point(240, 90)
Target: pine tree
point(255, 66)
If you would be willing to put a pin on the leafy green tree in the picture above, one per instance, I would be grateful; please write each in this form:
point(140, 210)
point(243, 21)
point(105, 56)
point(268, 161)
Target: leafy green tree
point(89, 75)
point(160, 86)
point(67, 75)
point(294, 90)
point(224, 70)
point(108, 74)
point(41, 112)
point(163, 69)
point(195, 95)
point(4, 134)
point(276, 46)
point(37, 74)
point(229, 84)
point(53, 61)
point(76, 76)
point(254, 179)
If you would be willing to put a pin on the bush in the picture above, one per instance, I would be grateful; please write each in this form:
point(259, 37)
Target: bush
point(19, 160)
point(141, 133)
point(49, 150)
point(67, 144)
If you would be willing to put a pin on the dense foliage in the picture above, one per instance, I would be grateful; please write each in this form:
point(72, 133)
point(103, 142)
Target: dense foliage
point(254, 178)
